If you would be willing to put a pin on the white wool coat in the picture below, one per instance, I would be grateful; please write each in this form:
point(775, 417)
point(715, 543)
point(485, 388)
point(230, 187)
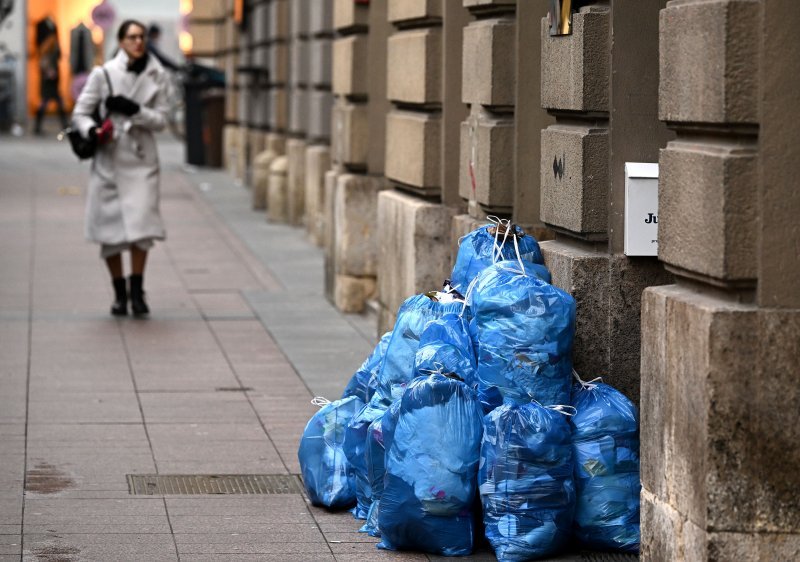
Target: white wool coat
point(122, 204)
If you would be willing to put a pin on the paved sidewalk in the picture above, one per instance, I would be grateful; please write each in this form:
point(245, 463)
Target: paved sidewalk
point(210, 384)
point(217, 381)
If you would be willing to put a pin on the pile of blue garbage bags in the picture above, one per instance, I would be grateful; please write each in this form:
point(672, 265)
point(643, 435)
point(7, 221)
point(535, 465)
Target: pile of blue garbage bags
point(467, 421)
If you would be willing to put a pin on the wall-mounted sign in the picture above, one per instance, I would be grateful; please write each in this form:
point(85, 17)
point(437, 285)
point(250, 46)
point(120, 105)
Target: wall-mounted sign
point(641, 209)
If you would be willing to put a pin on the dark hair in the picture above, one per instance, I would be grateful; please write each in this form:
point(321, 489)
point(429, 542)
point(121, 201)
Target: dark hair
point(153, 30)
point(125, 26)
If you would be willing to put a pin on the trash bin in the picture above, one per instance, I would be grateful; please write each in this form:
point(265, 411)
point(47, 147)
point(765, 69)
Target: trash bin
point(213, 112)
point(7, 94)
point(199, 80)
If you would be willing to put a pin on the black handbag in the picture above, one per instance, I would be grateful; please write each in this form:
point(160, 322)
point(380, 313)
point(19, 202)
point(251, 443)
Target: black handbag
point(85, 148)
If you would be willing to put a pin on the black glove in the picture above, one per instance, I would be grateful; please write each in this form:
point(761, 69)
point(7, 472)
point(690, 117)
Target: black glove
point(121, 104)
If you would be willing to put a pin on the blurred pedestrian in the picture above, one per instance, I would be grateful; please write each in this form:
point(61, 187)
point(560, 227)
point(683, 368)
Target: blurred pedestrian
point(122, 207)
point(153, 47)
point(49, 56)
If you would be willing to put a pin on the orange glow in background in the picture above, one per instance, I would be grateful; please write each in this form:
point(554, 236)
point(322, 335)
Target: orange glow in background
point(66, 14)
point(185, 40)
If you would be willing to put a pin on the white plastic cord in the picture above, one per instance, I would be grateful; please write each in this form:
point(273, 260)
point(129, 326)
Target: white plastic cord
point(468, 296)
point(519, 257)
point(563, 409)
point(588, 385)
point(320, 401)
point(439, 370)
point(560, 408)
point(497, 249)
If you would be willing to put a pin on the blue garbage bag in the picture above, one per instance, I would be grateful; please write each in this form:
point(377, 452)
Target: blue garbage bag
point(327, 476)
point(412, 318)
point(476, 251)
point(526, 481)
point(431, 468)
point(524, 329)
point(380, 432)
point(605, 435)
point(355, 445)
point(365, 379)
point(355, 449)
point(445, 345)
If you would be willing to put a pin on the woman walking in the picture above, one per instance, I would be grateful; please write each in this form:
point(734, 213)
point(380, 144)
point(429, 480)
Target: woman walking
point(122, 207)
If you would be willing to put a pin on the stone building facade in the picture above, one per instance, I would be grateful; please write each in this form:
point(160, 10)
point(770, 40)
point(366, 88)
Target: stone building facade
point(388, 129)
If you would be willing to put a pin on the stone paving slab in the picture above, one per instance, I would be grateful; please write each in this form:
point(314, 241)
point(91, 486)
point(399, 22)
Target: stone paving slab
point(70, 547)
point(237, 302)
point(233, 557)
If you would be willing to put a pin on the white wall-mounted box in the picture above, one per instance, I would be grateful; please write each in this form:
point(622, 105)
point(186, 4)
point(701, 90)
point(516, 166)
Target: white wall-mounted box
point(641, 209)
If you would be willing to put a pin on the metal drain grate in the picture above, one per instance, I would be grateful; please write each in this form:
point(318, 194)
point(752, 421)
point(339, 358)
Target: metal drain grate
point(190, 484)
point(608, 557)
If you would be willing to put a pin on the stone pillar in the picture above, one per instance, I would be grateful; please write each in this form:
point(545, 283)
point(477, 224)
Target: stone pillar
point(529, 119)
point(720, 347)
point(423, 68)
point(357, 141)
point(319, 100)
point(206, 24)
point(602, 94)
point(489, 88)
point(250, 111)
point(274, 72)
point(233, 80)
point(297, 99)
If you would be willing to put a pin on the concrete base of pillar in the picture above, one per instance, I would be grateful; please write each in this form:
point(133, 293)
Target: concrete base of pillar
point(719, 428)
point(328, 242)
point(414, 247)
point(232, 147)
point(296, 172)
point(277, 191)
point(260, 182)
point(353, 252)
point(256, 141)
point(274, 146)
point(318, 162)
point(351, 293)
point(607, 289)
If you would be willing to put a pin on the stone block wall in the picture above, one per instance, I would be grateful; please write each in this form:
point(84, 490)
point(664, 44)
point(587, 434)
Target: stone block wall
point(231, 146)
point(605, 115)
point(418, 98)
point(489, 89)
point(206, 23)
point(319, 111)
point(719, 414)
point(347, 202)
point(423, 86)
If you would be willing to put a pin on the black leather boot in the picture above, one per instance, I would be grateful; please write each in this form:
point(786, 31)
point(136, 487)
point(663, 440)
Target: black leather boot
point(138, 306)
point(120, 305)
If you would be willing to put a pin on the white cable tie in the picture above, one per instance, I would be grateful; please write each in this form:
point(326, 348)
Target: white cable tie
point(588, 385)
point(519, 257)
point(468, 296)
point(320, 401)
point(563, 409)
